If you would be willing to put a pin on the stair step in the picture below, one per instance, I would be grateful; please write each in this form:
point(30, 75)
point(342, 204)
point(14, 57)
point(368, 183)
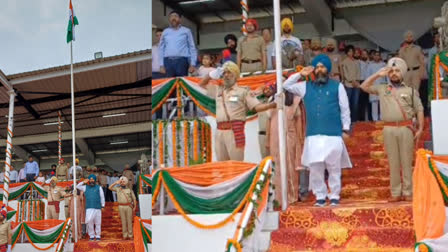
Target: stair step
point(352, 225)
point(366, 181)
point(355, 192)
point(112, 245)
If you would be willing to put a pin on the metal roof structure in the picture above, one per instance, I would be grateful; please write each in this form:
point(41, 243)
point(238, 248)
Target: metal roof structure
point(117, 85)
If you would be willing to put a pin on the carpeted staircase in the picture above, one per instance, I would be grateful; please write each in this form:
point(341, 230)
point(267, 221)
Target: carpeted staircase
point(111, 234)
point(364, 221)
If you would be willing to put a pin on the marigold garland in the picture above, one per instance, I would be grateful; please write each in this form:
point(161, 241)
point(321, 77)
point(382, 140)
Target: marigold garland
point(202, 140)
point(161, 159)
point(174, 133)
point(195, 140)
point(186, 140)
point(226, 220)
point(439, 178)
point(235, 244)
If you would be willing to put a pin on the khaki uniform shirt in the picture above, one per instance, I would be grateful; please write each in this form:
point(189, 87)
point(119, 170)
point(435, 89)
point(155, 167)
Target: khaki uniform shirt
point(263, 118)
point(335, 62)
point(390, 110)
point(5, 230)
point(103, 180)
point(238, 102)
point(251, 48)
point(412, 55)
point(130, 175)
point(350, 71)
point(62, 170)
point(54, 194)
point(124, 195)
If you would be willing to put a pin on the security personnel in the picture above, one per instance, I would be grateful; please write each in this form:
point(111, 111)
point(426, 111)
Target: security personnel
point(335, 59)
point(399, 104)
point(126, 205)
point(232, 104)
point(415, 60)
point(54, 197)
point(62, 171)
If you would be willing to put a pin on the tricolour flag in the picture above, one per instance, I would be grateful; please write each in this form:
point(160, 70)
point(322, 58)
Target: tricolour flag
point(72, 21)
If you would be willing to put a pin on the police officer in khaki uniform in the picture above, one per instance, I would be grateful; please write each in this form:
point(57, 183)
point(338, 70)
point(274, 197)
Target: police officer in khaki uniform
point(126, 205)
point(232, 104)
point(103, 180)
point(54, 197)
point(399, 104)
point(415, 60)
point(335, 59)
point(5, 231)
point(251, 49)
point(62, 171)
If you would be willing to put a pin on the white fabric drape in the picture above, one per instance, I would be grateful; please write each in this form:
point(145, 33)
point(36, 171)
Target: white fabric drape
point(385, 26)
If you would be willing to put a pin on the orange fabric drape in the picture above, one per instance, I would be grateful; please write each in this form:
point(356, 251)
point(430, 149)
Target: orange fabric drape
point(138, 237)
point(155, 83)
point(210, 173)
point(428, 206)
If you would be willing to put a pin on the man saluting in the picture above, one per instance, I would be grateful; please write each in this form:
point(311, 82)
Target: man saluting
point(94, 203)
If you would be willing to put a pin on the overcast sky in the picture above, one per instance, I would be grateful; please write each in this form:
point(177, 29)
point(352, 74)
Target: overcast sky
point(33, 32)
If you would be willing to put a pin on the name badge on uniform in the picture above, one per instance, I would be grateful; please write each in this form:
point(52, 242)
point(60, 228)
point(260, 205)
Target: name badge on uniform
point(404, 95)
point(233, 99)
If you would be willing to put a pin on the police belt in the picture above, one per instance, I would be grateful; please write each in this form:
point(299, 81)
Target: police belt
point(406, 123)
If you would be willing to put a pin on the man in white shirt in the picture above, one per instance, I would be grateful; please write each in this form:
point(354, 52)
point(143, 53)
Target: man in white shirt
point(364, 113)
point(292, 52)
point(22, 174)
point(13, 175)
point(267, 36)
point(156, 74)
point(328, 124)
point(112, 181)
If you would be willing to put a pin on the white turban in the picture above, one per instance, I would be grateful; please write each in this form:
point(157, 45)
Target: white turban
point(400, 63)
point(124, 179)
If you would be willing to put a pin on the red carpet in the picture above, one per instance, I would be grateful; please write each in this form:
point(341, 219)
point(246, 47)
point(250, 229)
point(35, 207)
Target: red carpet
point(111, 234)
point(364, 221)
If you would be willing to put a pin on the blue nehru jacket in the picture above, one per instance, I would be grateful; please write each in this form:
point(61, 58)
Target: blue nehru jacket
point(93, 199)
point(323, 114)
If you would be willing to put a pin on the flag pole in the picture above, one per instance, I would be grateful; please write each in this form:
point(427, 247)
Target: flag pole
point(281, 122)
point(73, 141)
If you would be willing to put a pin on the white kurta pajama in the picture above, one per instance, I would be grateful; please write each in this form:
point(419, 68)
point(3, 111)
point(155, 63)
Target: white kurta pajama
point(322, 152)
point(93, 216)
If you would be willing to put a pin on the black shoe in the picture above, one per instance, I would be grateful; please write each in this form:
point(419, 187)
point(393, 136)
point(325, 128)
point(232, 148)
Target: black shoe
point(334, 202)
point(98, 239)
point(92, 239)
point(320, 203)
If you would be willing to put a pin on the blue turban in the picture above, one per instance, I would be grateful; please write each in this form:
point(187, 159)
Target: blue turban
point(92, 176)
point(324, 59)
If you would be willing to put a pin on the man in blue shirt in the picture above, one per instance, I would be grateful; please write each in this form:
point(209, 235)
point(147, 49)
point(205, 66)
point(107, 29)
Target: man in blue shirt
point(177, 50)
point(31, 169)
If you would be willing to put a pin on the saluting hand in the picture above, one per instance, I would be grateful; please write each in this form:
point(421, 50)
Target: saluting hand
point(383, 72)
point(307, 71)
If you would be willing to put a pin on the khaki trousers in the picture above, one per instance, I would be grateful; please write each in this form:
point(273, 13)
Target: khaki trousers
point(126, 221)
point(399, 144)
point(225, 147)
point(250, 68)
point(262, 143)
point(51, 213)
point(412, 79)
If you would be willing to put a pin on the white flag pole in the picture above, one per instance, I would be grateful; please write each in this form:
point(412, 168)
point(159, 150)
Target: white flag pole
point(73, 139)
point(281, 122)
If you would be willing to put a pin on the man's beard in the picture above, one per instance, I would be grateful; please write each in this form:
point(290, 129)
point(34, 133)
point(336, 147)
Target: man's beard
point(287, 31)
point(330, 49)
point(232, 48)
point(321, 78)
point(229, 83)
point(396, 82)
point(356, 57)
point(364, 58)
point(91, 184)
point(123, 186)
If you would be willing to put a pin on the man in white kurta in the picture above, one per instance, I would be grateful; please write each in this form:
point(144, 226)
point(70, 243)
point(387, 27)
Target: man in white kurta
point(95, 202)
point(328, 124)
